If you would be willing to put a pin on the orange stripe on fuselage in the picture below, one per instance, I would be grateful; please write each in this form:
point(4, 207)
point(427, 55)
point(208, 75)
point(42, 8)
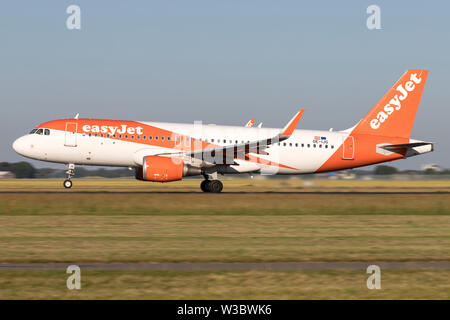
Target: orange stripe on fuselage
point(113, 129)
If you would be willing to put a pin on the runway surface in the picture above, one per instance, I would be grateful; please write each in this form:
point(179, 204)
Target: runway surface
point(362, 193)
point(231, 266)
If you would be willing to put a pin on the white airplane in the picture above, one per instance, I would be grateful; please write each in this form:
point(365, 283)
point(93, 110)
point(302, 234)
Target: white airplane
point(164, 152)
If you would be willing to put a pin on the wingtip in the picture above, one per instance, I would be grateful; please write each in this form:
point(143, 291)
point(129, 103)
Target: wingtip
point(290, 127)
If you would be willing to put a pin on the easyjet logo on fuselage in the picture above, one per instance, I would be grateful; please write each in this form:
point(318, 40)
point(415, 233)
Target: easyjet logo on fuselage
point(122, 129)
point(395, 103)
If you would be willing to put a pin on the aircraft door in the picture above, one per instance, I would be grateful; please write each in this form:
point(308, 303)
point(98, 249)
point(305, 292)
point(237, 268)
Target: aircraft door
point(71, 134)
point(348, 148)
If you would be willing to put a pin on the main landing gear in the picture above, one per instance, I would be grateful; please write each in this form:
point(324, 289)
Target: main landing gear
point(70, 173)
point(214, 186)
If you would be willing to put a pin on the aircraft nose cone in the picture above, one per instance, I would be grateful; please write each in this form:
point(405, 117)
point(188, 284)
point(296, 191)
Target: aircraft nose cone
point(18, 146)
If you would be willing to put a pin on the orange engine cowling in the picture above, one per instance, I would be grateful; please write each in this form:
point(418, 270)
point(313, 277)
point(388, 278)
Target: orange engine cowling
point(160, 169)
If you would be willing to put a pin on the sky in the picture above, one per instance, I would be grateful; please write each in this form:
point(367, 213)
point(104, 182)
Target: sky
point(221, 62)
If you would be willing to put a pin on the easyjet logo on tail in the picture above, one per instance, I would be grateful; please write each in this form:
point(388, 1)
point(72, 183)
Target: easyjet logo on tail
point(395, 103)
point(113, 129)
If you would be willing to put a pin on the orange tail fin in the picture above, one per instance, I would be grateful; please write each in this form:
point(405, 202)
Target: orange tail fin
point(394, 114)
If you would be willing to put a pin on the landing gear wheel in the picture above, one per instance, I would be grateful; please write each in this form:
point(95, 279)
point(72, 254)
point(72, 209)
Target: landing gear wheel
point(204, 185)
point(69, 174)
point(215, 186)
point(67, 184)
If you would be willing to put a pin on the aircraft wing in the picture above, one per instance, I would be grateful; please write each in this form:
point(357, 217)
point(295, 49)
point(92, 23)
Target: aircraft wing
point(226, 154)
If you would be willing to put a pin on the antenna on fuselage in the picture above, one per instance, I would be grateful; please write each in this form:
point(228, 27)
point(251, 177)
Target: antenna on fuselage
point(76, 116)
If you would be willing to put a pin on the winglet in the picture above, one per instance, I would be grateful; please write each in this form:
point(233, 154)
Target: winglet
point(290, 127)
point(250, 123)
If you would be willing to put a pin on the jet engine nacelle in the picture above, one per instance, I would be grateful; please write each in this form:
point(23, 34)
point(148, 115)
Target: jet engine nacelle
point(164, 169)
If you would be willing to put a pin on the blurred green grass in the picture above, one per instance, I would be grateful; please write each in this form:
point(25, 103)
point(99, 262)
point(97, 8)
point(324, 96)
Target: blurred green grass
point(256, 220)
point(337, 284)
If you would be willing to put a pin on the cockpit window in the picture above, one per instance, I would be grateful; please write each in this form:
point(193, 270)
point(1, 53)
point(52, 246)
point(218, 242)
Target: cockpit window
point(40, 131)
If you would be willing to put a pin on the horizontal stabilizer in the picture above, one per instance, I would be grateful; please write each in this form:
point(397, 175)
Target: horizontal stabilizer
point(408, 149)
point(407, 145)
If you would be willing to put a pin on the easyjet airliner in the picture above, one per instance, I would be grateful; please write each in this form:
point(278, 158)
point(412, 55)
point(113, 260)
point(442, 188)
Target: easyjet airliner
point(164, 152)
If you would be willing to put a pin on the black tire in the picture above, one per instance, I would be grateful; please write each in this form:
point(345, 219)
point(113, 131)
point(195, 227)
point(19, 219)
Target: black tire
point(205, 185)
point(215, 186)
point(67, 184)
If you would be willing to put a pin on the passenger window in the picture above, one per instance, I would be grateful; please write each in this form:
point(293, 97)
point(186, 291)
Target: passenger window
point(326, 146)
point(314, 145)
point(150, 138)
point(162, 138)
point(303, 145)
point(132, 137)
point(168, 139)
point(284, 144)
point(290, 144)
point(296, 144)
point(308, 145)
point(156, 137)
point(332, 147)
point(320, 146)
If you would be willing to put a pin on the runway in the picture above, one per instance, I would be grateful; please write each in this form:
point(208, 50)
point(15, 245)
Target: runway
point(230, 266)
point(342, 193)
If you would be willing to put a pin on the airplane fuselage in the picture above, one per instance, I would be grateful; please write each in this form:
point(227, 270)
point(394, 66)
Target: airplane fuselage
point(124, 143)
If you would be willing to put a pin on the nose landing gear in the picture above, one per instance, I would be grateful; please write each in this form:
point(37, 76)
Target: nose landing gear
point(70, 173)
point(67, 184)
